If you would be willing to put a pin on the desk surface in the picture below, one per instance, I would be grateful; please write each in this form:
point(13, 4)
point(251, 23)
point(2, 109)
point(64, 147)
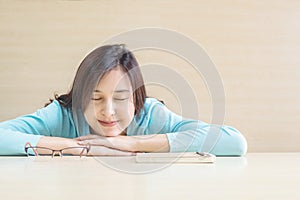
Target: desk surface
point(255, 176)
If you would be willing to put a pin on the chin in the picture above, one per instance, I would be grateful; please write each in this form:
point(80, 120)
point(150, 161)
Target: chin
point(110, 131)
point(111, 135)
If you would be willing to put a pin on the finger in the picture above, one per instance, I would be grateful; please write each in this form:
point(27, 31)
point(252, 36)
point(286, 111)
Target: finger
point(87, 137)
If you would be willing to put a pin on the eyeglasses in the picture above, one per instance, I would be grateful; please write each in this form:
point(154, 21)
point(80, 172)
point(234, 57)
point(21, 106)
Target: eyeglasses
point(33, 151)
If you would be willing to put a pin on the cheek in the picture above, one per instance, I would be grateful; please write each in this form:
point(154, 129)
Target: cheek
point(131, 109)
point(127, 110)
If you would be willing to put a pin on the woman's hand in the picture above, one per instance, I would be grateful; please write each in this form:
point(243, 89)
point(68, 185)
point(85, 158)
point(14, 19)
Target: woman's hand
point(140, 143)
point(58, 143)
point(117, 143)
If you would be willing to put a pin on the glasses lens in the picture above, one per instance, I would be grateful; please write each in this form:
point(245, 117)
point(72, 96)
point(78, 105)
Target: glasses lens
point(78, 151)
point(32, 151)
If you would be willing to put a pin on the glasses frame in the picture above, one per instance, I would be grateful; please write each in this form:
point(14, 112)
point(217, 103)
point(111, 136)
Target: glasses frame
point(54, 151)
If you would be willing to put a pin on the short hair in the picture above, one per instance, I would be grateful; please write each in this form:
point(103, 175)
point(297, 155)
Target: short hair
point(92, 69)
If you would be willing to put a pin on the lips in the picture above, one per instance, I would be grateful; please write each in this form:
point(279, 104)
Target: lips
point(108, 123)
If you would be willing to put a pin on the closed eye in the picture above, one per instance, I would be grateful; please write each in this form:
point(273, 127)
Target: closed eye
point(121, 99)
point(97, 99)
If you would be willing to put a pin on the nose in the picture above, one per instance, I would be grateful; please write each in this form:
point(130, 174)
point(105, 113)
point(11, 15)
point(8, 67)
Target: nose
point(108, 109)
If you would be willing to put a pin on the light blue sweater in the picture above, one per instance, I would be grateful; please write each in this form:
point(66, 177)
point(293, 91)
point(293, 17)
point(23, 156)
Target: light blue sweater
point(155, 118)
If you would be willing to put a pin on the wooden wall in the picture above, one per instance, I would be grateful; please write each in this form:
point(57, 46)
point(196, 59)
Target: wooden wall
point(254, 44)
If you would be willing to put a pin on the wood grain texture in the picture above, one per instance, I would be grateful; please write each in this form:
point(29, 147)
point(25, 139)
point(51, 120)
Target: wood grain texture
point(267, 175)
point(254, 44)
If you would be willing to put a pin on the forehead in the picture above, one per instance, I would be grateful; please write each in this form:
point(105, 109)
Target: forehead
point(115, 79)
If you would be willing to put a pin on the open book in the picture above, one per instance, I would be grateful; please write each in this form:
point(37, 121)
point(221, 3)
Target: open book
point(186, 157)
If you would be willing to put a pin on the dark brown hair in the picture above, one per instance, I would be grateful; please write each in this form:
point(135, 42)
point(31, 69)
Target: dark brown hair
point(92, 69)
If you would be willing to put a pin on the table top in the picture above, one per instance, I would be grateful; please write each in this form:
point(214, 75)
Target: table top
point(254, 176)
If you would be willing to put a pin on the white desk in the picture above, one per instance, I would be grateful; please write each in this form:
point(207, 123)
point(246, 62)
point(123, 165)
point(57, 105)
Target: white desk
point(256, 176)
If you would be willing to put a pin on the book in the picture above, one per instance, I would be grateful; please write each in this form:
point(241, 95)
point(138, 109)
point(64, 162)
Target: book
point(185, 157)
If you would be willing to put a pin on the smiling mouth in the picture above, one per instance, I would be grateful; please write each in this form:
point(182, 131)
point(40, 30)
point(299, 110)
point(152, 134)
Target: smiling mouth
point(108, 123)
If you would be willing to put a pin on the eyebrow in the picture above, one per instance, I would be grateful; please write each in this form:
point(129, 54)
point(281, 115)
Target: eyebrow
point(116, 91)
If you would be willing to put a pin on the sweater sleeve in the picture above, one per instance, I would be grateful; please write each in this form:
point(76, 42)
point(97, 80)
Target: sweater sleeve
point(192, 135)
point(47, 121)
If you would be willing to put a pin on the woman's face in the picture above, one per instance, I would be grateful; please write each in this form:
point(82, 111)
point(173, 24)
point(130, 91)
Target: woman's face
point(111, 108)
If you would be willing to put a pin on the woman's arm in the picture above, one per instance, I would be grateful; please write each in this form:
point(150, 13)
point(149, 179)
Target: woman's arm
point(229, 141)
point(52, 120)
point(141, 143)
point(49, 127)
point(160, 130)
point(58, 143)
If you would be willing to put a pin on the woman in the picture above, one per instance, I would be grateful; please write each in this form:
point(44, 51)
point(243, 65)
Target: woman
point(107, 109)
